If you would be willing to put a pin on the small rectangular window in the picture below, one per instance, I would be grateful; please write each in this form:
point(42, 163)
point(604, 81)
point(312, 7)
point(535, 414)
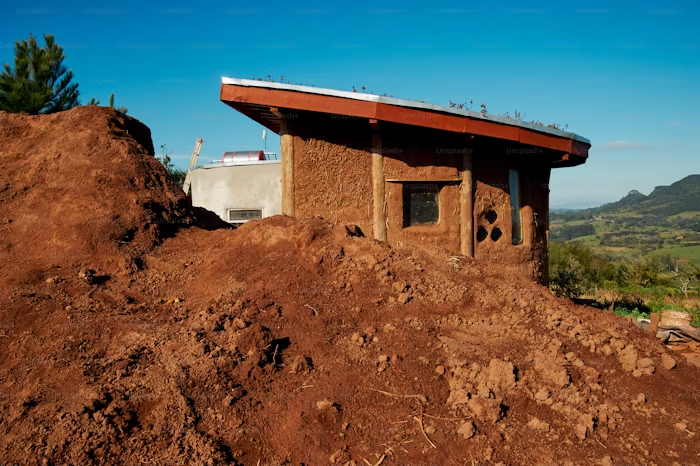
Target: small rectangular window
point(421, 203)
point(243, 215)
point(514, 187)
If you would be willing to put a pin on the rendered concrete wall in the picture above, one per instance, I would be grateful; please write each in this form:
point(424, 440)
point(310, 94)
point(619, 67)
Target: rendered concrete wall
point(238, 187)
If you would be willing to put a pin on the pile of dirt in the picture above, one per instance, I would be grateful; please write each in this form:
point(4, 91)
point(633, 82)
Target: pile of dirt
point(297, 341)
point(81, 186)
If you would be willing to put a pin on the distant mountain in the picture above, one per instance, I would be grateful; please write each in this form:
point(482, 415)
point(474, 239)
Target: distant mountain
point(681, 196)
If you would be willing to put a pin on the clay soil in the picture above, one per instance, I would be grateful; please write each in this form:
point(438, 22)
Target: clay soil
point(130, 335)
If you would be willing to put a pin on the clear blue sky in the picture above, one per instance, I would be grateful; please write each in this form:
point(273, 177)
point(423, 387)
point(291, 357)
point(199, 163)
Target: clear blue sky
point(623, 74)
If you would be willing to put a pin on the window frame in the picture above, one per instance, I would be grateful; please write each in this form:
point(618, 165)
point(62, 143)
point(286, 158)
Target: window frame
point(243, 220)
point(430, 187)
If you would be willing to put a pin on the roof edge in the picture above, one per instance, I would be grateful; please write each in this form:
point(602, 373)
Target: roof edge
point(405, 103)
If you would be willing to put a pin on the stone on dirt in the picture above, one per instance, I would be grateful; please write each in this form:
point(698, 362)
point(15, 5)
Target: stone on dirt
point(485, 409)
point(467, 430)
point(667, 361)
point(536, 424)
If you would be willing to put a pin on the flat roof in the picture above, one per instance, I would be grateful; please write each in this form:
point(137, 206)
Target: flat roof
point(257, 100)
point(235, 163)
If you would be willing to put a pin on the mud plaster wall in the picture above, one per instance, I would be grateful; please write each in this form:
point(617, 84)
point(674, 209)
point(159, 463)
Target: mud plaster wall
point(535, 216)
point(444, 234)
point(333, 181)
point(492, 193)
point(432, 157)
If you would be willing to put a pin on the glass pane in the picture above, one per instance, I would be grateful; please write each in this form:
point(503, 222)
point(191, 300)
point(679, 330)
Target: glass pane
point(238, 215)
point(514, 187)
point(422, 204)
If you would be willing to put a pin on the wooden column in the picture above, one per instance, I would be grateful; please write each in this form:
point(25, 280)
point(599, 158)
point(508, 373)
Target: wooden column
point(287, 162)
point(378, 184)
point(466, 207)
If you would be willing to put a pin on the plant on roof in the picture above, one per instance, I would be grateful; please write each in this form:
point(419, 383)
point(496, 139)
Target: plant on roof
point(461, 106)
point(39, 82)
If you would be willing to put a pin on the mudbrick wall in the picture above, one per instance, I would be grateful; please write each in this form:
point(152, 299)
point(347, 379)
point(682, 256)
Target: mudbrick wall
point(333, 179)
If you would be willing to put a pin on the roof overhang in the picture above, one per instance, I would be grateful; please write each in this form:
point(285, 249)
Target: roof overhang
point(266, 102)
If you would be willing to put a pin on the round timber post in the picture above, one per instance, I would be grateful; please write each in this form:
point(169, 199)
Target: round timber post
point(466, 206)
point(378, 184)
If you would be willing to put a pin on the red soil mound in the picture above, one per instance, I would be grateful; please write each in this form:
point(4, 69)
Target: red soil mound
point(291, 341)
point(81, 188)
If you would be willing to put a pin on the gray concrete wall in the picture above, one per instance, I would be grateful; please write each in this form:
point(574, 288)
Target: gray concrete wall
point(255, 186)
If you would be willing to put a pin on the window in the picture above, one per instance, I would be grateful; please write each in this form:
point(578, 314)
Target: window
point(421, 203)
point(243, 215)
point(514, 187)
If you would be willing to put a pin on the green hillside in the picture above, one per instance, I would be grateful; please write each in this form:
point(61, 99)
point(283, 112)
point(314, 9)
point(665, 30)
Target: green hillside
point(667, 222)
point(681, 196)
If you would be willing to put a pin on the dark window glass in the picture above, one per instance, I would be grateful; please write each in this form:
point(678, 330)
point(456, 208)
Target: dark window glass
point(421, 204)
point(514, 189)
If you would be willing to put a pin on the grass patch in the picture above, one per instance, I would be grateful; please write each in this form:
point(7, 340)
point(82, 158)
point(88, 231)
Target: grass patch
point(682, 252)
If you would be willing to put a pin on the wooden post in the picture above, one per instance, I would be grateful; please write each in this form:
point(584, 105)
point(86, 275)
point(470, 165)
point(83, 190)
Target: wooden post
point(378, 184)
point(287, 162)
point(466, 204)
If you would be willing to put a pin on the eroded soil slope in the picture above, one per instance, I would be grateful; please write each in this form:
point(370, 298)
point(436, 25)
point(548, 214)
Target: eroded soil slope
point(81, 186)
point(291, 341)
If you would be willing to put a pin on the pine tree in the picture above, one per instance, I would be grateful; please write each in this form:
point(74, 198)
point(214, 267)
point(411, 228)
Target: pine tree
point(39, 82)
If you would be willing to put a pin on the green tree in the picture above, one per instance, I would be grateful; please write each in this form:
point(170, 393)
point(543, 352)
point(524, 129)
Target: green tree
point(39, 82)
point(686, 277)
point(119, 109)
point(566, 274)
point(174, 174)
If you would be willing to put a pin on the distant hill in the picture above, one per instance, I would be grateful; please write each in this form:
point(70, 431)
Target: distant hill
point(667, 221)
point(681, 196)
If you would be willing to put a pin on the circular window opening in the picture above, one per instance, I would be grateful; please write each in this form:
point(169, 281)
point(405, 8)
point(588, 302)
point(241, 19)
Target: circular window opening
point(491, 216)
point(481, 234)
point(496, 234)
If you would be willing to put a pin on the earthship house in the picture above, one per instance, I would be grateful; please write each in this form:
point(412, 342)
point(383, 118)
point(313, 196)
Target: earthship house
point(411, 172)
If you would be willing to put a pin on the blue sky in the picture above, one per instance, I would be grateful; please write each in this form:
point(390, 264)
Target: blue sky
point(623, 74)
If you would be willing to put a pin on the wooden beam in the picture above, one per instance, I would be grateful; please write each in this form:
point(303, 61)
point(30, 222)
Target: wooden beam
point(378, 184)
point(287, 162)
point(466, 207)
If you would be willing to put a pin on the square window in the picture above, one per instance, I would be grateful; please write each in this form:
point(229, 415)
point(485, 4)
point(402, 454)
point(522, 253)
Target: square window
point(421, 204)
